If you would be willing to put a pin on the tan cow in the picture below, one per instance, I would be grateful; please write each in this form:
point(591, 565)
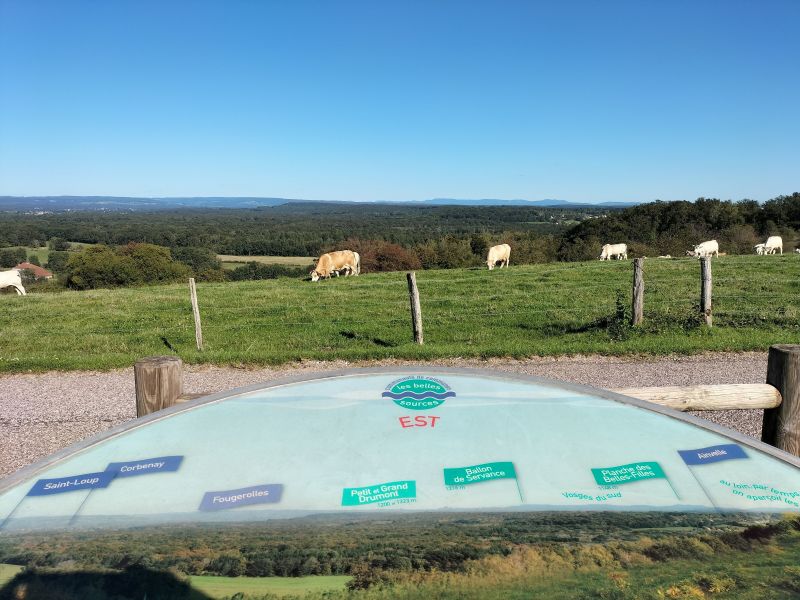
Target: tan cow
point(334, 262)
point(498, 254)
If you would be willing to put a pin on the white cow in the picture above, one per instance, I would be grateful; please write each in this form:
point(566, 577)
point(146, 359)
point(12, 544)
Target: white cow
point(773, 243)
point(797, 250)
point(12, 279)
point(334, 262)
point(498, 254)
point(760, 249)
point(618, 251)
point(710, 248)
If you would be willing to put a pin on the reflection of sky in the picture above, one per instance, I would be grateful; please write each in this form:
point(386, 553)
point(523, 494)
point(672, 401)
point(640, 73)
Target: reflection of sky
point(319, 437)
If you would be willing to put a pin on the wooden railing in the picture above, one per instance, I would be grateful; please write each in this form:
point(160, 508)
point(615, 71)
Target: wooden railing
point(159, 384)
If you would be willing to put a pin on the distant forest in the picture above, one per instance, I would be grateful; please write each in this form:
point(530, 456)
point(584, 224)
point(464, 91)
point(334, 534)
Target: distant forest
point(302, 229)
point(388, 237)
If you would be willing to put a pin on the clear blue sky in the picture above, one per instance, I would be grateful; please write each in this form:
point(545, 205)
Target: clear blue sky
point(586, 101)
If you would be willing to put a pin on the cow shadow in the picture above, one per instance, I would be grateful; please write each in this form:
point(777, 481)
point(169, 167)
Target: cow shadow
point(134, 583)
point(352, 335)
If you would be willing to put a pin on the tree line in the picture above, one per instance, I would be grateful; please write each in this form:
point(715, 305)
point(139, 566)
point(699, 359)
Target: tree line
point(146, 248)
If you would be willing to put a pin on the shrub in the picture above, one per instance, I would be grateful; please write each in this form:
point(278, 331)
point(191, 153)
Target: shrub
point(11, 257)
point(255, 270)
point(102, 266)
point(197, 259)
point(379, 255)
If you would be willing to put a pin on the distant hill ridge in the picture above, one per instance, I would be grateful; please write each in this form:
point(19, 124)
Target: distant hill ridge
point(124, 203)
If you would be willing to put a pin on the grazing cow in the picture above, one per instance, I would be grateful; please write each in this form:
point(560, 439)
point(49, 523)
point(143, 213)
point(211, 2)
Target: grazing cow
point(354, 269)
point(760, 249)
point(710, 248)
point(797, 250)
point(773, 243)
point(498, 254)
point(618, 251)
point(12, 279)
point(334, 262)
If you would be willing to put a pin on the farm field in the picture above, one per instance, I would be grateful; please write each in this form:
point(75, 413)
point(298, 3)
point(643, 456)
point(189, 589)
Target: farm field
point(7, 573)
point(221, 587)
point(545, 309)
point(42, 253)
point(230, 261)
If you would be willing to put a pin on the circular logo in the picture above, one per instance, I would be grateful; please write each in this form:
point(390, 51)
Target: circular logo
point(418, 393)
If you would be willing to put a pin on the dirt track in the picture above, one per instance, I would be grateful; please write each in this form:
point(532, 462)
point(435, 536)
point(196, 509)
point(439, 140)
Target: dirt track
point(42, 413)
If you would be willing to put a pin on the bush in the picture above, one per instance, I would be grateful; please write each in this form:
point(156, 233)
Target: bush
point(57, 261)
point(102, 266)
point(154, 263)
point(59, 244)
point(11, 257)
point(254, 270)
point(197, 259)
point(99, 266)
point(379, 255)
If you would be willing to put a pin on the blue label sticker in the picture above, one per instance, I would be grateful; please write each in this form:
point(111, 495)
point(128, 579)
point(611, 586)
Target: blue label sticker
point(258, 494)
point(72, 483)
point(712, 454)
point(145, 466)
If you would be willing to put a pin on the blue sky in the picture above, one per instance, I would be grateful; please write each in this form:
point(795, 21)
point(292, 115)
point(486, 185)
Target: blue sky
point(585, 101)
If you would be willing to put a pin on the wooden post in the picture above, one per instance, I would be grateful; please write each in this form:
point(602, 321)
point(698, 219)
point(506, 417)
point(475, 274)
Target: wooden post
point(705, 289)
point(198, 329)
point(416, 311)
point(637, 314)
point(781, 427)
point(159, 383)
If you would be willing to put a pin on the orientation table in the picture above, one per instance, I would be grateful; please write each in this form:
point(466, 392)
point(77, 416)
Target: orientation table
point(398, 439)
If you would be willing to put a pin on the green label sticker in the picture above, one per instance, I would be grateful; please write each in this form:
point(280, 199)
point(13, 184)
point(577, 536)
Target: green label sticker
point(478, 473)
point(393, 492)
point(628, 473)
point(418, 393)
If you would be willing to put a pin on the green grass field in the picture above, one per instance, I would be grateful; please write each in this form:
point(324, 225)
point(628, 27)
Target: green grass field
point(230, 261)
point(7, 573)
point(42, 253)
point(220, 587)
point(547, 309)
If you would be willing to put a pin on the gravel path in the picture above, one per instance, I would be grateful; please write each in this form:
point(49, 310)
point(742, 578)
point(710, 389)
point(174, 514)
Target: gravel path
point(42, 413)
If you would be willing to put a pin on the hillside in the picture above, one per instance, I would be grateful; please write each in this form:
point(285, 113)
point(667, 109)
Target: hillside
point(547, 309)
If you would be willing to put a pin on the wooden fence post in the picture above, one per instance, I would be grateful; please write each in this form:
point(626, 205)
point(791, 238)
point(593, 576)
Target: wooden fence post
point(781, 426)
point(416, 311)
point(198, 329)
point(159, 382)
point(705, 289)
point(637, 314)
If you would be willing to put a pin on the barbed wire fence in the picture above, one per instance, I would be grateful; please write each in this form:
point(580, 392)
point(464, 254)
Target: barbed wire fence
point(458, 307)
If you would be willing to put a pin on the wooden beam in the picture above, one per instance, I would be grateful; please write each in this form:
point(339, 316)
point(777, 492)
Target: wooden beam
point(709, 397)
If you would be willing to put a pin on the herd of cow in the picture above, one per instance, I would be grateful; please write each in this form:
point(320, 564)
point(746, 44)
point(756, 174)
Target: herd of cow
point(348, 263)
point(773, 245)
